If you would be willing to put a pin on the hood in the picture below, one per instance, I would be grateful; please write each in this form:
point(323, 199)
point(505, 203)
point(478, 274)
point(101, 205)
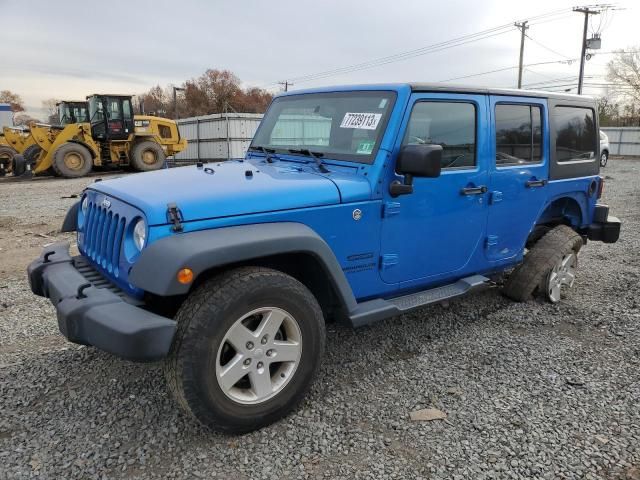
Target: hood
point(228, 191)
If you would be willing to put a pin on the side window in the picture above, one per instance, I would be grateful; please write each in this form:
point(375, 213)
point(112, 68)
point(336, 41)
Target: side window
point(450, 124)
point(164, 131)
point(518, 134)
point(114, 110)
point(126, 108)
point(576, 135)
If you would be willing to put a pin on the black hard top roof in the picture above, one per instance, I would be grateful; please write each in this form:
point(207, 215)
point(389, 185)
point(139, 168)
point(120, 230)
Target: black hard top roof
point(119, 95)
point(443, 87)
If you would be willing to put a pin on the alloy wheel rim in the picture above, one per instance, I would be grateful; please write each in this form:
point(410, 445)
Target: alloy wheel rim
point(259, 355)
point(603, 159)
point(149, 157)
point(561, 277)
point(73, 161)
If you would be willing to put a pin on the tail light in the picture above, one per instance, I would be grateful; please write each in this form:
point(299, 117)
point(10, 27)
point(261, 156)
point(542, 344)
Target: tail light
point(600, 187)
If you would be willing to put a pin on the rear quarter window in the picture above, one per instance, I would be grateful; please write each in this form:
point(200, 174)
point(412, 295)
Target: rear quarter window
point(576, 134)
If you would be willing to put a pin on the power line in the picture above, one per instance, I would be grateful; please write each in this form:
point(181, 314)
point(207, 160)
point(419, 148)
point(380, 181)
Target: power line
point(286, 85)
point(498, 70)
point(499, 30)
point(397, 57)
point(545, 47)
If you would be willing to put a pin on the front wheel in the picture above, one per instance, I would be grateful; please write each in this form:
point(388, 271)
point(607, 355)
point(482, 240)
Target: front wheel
point(72, 160)
point(248, 345)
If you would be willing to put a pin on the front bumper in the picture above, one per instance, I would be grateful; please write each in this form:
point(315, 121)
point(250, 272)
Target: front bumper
point(97, 316)
point(604, 228)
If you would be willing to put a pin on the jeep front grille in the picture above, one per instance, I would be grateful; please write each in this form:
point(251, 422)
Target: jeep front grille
point(103, 237)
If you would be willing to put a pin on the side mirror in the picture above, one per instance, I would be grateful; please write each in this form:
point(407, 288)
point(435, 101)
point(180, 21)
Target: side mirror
point(416, 161)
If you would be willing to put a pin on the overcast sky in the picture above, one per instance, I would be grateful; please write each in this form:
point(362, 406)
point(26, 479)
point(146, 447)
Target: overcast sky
point(69, 49)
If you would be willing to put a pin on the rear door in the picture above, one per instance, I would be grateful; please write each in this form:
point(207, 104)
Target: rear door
point(519, 173)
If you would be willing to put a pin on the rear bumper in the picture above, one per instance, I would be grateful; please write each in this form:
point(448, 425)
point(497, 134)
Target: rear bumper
point(97, 316)
point(605, 228)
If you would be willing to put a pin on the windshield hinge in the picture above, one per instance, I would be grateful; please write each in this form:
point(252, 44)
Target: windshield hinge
point(174, 216)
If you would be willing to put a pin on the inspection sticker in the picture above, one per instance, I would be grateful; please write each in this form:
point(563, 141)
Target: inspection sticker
point(364, 121)
point(365, 147)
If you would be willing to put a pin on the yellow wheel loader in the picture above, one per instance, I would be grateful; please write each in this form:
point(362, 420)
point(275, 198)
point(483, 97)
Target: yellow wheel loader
point(112, 137)
point(13, 141)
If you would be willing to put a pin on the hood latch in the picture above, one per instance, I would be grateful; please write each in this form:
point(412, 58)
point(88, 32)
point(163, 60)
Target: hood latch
point(174, 216)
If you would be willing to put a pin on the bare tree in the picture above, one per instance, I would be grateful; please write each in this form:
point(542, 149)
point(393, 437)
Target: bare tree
point(608, 111)
point(49, 105)
point(13, 99)
point(24, 119)
point(624, 72)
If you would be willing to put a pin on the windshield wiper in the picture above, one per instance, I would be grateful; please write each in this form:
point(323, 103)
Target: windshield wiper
point(268, 152)
point(315, 155)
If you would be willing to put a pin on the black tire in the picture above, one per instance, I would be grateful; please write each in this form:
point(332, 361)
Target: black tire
point(147, 155)
point(525, 280)
point(7, 153)
point(18, 165)
point(32, 154)
point(203, 322)
point(6, 157)
point(604, 158)
point(72, 160)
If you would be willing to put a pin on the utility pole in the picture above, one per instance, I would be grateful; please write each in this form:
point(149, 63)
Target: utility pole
point(286, 84)
point(175, 101)
point(523, 28)
point(586, 11)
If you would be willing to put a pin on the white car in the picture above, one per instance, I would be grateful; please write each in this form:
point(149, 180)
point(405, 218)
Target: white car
point(604, 149)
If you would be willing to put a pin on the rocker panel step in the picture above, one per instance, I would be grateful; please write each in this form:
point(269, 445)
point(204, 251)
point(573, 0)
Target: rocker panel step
point(378, 309)
point(438, 294)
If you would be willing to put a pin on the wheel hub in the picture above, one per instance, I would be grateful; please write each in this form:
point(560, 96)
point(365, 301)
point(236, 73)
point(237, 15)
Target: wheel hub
point(149, 157)
point(258, 355)
point(561, 276)
point(73, 160)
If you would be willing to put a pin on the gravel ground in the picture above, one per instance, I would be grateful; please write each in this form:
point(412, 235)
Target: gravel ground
point(531, 390)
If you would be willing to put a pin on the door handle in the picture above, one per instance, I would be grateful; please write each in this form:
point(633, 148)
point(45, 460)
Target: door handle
point(474, 190)
point(535, 183)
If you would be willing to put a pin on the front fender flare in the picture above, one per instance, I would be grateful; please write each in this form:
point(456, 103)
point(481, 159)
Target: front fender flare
point(156, 268)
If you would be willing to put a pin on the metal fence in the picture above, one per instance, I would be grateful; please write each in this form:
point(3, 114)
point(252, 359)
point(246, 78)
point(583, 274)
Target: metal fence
point(217, 137)
point(623, 140)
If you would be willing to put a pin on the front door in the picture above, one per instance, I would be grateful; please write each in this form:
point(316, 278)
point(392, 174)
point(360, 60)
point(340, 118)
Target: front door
point(518, 175)
point(434, 232)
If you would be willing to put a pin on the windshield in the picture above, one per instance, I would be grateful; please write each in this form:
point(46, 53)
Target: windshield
point(95, 110)
point(340, 125)
point(73, 113)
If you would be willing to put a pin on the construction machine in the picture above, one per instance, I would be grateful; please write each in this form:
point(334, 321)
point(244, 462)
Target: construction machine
point(13, 140)
point(112, 136)
point(19, 140)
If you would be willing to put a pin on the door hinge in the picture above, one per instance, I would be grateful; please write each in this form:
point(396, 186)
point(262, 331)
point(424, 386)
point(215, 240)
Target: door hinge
point(496, 197)
point(492, 240)
point(388, 260)
point(390, 208)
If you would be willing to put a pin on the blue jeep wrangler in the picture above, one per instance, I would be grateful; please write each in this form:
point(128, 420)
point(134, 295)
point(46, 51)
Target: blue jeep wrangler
point(353, 203)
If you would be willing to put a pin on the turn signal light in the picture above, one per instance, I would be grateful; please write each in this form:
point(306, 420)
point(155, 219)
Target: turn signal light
point(185, 276)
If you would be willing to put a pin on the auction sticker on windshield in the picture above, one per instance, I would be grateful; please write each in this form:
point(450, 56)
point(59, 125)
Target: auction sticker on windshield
point(364, 121)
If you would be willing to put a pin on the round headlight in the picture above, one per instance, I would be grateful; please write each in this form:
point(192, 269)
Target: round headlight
point(140, 234)
point(85, 205)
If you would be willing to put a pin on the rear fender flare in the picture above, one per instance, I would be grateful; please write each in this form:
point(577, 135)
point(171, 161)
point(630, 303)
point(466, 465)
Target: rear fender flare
point(571, 207)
